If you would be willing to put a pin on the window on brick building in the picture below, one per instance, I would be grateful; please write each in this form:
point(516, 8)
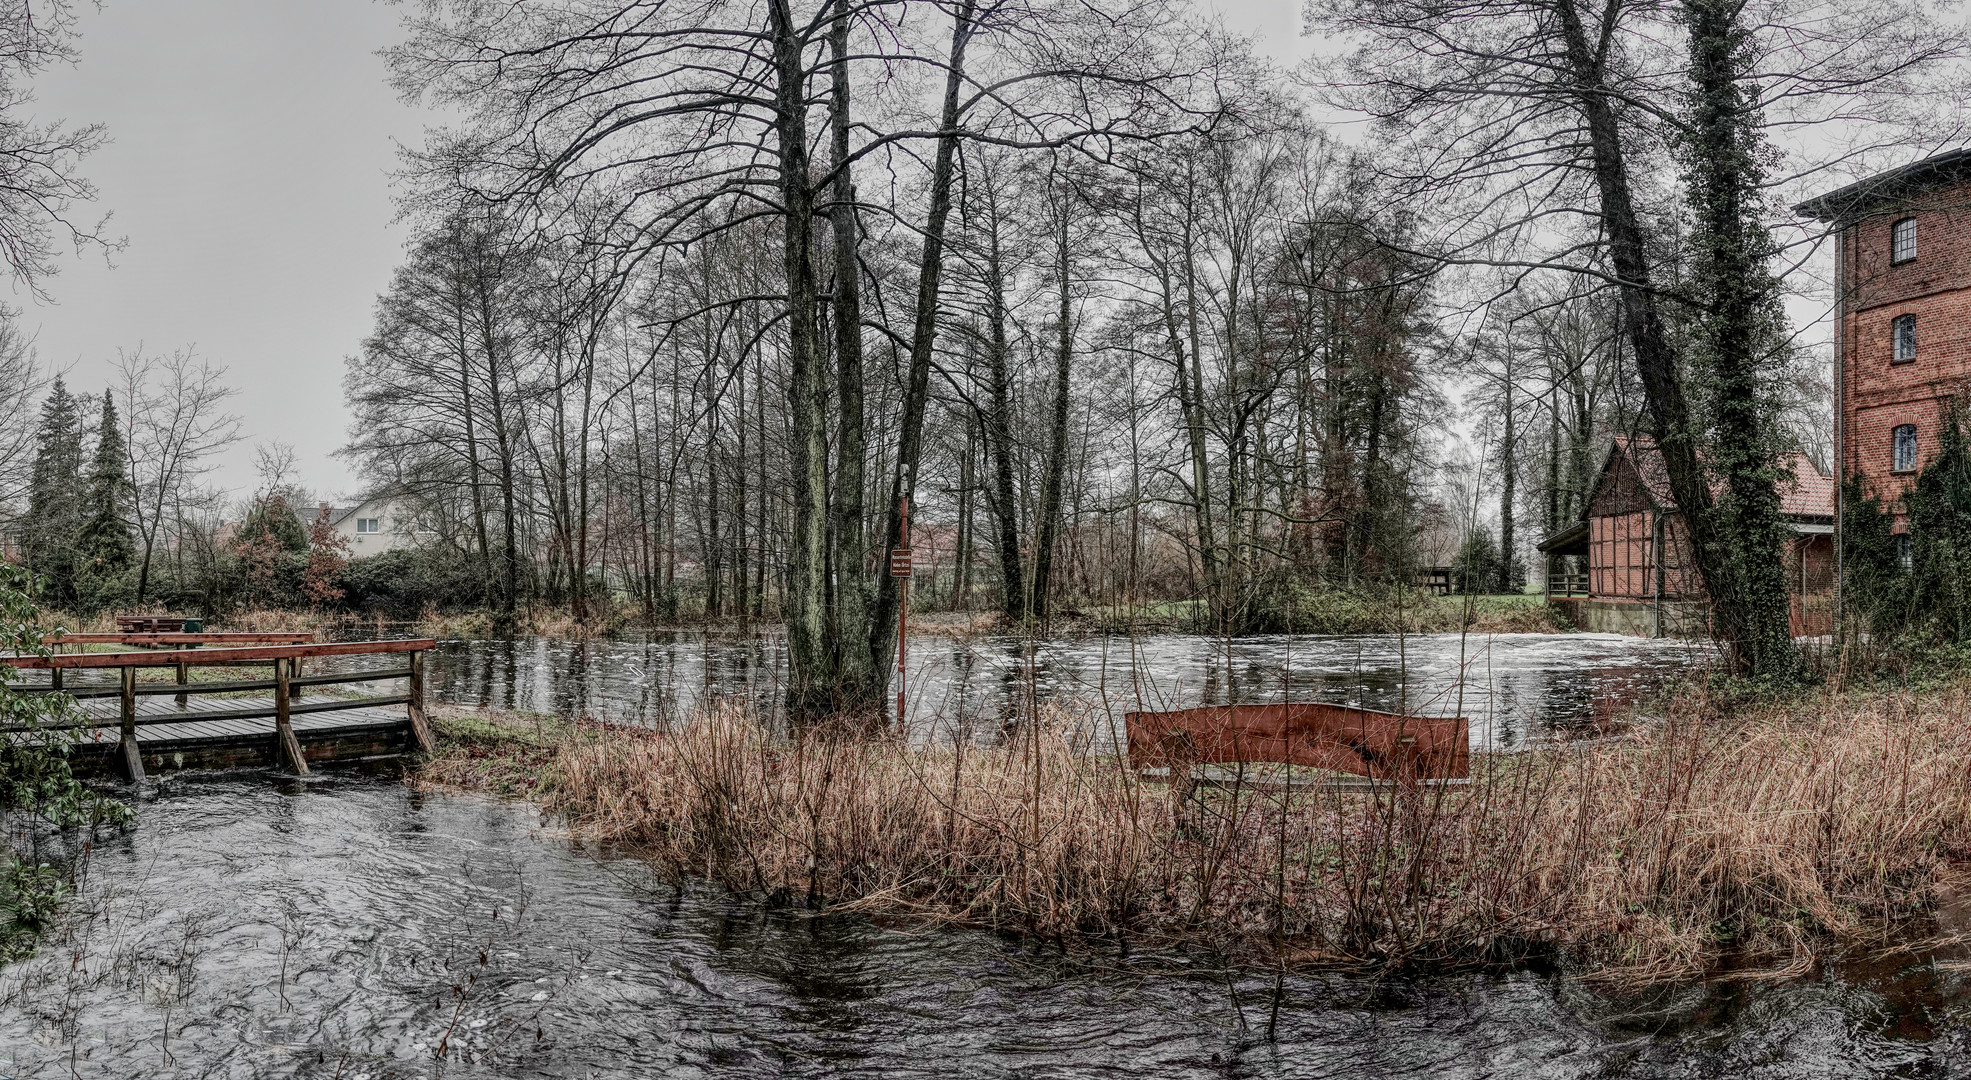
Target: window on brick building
point(1902, 448)
point(1902, 240)
point(1902, 329)
point(1905, 558)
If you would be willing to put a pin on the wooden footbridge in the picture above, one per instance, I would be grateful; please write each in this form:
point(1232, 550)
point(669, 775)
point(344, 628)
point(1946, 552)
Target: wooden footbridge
point(134, 725)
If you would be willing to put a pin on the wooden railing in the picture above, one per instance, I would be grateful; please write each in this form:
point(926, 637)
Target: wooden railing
point(153, 640)
point(285, 660)
point(1564, 584)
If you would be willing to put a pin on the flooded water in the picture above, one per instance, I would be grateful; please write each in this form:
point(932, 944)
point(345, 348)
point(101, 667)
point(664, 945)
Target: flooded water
point(349, 928)
point(1515, 688)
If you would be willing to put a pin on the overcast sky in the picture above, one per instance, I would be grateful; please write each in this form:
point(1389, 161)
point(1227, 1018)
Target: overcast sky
point(251, 147)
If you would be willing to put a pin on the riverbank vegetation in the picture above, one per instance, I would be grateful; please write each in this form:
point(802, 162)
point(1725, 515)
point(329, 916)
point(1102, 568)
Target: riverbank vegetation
point(1763, 835)
point(38, 792)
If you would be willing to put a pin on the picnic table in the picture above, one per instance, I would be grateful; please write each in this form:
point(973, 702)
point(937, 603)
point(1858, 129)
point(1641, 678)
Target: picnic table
point(154, 624)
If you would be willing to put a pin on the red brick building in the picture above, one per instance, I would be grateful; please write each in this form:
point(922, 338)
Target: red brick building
point(1903, 285)
point(1627, 568)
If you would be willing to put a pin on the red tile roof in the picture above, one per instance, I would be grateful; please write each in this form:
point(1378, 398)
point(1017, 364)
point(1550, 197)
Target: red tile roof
point(1809, 494)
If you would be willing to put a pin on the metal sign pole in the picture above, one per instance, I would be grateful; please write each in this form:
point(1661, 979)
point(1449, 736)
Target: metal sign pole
point(900, 569)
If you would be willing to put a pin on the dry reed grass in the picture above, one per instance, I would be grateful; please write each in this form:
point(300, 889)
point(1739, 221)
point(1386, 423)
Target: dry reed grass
point(1764, 839)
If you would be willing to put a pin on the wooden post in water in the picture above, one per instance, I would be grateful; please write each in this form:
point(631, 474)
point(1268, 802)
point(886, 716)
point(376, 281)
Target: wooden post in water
point(133, 757)
point(420, 727)
point(184, 676)
point(288, 748)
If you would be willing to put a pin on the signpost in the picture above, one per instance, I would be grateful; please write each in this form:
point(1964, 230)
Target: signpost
point(900, 568)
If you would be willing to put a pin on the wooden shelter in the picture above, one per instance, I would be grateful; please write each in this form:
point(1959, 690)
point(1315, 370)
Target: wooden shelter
point(1627, 566)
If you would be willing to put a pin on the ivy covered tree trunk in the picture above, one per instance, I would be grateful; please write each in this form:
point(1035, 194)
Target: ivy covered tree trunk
point(1722, 175)
point(1739, 324)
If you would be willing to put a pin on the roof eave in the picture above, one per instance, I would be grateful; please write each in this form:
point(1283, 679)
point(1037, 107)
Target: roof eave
point(1851, 203)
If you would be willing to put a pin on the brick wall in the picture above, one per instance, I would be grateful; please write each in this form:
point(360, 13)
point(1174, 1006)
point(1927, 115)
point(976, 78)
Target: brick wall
point(1877, 394)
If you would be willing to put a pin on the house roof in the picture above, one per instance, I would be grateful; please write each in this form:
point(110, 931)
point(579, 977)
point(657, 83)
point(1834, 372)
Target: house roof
point(337, 514)
point(1808, 494)
point(1849, 203)
point(1575, 535)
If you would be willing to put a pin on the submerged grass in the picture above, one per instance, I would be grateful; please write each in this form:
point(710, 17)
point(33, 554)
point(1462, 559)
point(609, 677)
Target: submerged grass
point(1759, 837)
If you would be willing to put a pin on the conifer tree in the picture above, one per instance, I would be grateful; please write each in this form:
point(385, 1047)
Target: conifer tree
point(54, 508)
point(105, 548)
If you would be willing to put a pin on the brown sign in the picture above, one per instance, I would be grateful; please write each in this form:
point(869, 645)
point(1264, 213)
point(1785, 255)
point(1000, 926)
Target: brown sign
point(899, 562)
point(1362, 741)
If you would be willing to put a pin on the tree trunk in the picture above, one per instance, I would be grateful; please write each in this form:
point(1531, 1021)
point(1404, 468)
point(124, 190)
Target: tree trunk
point(810, 672)
point(1057, 440)
point(923, 341)
point(1744, 629)
point(999, 439)
point(860, 677)
point(1747, 572)
point(1508, 476)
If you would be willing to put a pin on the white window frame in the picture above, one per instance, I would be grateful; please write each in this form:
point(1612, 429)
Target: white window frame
point(1902, 241)
point(369, 525)
point(1902, 338)
point(1898, 461)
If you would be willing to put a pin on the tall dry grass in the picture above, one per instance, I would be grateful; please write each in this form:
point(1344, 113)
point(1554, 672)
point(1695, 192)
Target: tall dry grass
point(1765, 838)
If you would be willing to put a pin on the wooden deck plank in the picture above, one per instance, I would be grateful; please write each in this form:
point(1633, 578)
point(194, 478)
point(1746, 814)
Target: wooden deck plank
point(192, 728)
point(204, 733)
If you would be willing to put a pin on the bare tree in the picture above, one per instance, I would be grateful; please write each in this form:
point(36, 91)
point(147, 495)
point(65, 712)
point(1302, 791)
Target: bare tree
point(175, 421)
point(41, 191)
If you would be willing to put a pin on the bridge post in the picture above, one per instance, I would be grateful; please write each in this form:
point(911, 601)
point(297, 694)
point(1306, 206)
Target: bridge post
point(288, 748)
point(420, 727)
point(133, 757)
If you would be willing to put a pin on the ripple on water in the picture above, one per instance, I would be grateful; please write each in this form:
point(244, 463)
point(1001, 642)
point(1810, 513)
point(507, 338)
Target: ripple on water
point(243, 930)
point(1516, 688)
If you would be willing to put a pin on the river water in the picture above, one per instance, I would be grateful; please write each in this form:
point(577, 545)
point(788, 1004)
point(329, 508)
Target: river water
point(1515, 688)
point(349, 927)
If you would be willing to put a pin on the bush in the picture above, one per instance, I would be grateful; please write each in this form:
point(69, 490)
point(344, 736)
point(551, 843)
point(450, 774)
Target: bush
point(406, 582)
point(1913, 585)
point(35, 780)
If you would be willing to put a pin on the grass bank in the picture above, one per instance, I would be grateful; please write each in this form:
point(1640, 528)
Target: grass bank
point(1298, 611)
point(1760, 839)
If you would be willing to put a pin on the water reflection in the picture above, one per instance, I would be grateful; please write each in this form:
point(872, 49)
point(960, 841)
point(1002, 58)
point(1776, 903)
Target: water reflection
point(1515, 688)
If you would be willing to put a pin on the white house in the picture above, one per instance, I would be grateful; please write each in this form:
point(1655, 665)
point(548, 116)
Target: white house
point(375, 526)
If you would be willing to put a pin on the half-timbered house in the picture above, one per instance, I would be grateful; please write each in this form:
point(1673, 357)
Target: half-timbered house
point(1627, 566)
